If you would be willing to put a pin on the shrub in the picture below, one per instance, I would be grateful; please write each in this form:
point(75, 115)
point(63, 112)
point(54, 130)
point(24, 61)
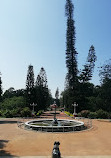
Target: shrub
point(26, 112)
point(109, 115)
point(67, 113)
point(39, 112)
point(71, 115)
point(13, 103)
point(7, 114)
point(84, 113)
point(0, 113)
point(102, 114)
point(15, 112)
point(79, 114)
point(92, 115)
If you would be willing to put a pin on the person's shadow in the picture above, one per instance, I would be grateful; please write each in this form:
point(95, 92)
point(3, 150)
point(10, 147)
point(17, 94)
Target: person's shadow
point(2, 151)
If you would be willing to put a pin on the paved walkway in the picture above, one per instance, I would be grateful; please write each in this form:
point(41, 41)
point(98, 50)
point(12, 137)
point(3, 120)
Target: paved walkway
point(51, 157)
point(21, 143)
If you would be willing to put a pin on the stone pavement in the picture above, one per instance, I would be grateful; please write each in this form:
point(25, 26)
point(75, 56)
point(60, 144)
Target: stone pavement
point(51, 157)
point(16, 142)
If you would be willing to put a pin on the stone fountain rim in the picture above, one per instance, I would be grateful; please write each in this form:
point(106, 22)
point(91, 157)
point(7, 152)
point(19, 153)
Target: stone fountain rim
point(80, 123)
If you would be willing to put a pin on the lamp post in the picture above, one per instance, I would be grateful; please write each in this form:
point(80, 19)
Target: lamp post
point(55, 110)
point(75, 105)
point(33, 107)
point(64, 107)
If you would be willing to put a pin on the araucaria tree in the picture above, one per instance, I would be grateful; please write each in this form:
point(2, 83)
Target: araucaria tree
point(41, 88)
point(87, 71)
point(30, 85)
point(77, 86)
point(42, 78)
point(57, 96)
point(71, 53)
point(0, 89)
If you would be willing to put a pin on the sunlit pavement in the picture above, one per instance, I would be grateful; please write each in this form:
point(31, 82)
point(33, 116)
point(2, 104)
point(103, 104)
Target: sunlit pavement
point(92, 142)
point(51, 157)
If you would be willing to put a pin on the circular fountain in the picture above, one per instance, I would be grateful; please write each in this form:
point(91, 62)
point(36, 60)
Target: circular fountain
point(51, 125)
point(55, 125)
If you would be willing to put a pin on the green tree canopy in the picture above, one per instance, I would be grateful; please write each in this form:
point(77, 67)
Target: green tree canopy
point(30, 85)
point(71, 53)
point(88, 69)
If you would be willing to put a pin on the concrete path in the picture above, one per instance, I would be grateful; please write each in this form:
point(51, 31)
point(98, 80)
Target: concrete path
point(51, 157)
point(18, 142)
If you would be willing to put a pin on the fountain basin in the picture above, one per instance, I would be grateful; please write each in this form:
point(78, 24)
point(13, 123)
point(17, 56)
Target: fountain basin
point(46, 125)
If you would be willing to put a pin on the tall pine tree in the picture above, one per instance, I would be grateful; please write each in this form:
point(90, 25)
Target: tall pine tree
point(105, 71)
point(42, 92)
point(30, 85)
point(87, 72)
point(57, 97)
point(0, 89)
point(71, 53)
point(42, 78)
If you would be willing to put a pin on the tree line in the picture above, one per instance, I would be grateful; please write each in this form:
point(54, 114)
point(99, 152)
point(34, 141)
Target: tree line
point(37, 91)
point(19, 102)
point(78, 86)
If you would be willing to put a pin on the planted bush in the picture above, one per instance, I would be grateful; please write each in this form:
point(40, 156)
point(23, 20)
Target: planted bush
point(79, 114)
point(67, 113)
point(0, 113)
point(102, 114)
point(109, 115)
point(39, 112)
point(7, 114)
point(26, 112)
point(84, 113)
point(92, 115)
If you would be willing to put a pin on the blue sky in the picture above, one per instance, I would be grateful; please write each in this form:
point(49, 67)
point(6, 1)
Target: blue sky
point(33, 32)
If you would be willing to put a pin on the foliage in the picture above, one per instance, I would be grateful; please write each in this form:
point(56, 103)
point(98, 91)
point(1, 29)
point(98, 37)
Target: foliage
point(26, 112)
point(0, 89)
point(88, 96)
point(105, 95)
point(84, 113)
point(105, 71)
point(71, 53)
point(11, 92)
point(94, 103)
point(79, 114)
point(102, 114)
point(42, 78)
point(87, 72)
point(0, 113)
point(77, 87)
point(57, 97)
point(13, 103)
point(30, 85)
point(57, 93)
point(11, 107)
point(10, 113)
point(42, 93)
point(109, 115)
point(80, 96)
point(68, 113)
point(92, 115)
point(39, 112)
point(7, 114)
